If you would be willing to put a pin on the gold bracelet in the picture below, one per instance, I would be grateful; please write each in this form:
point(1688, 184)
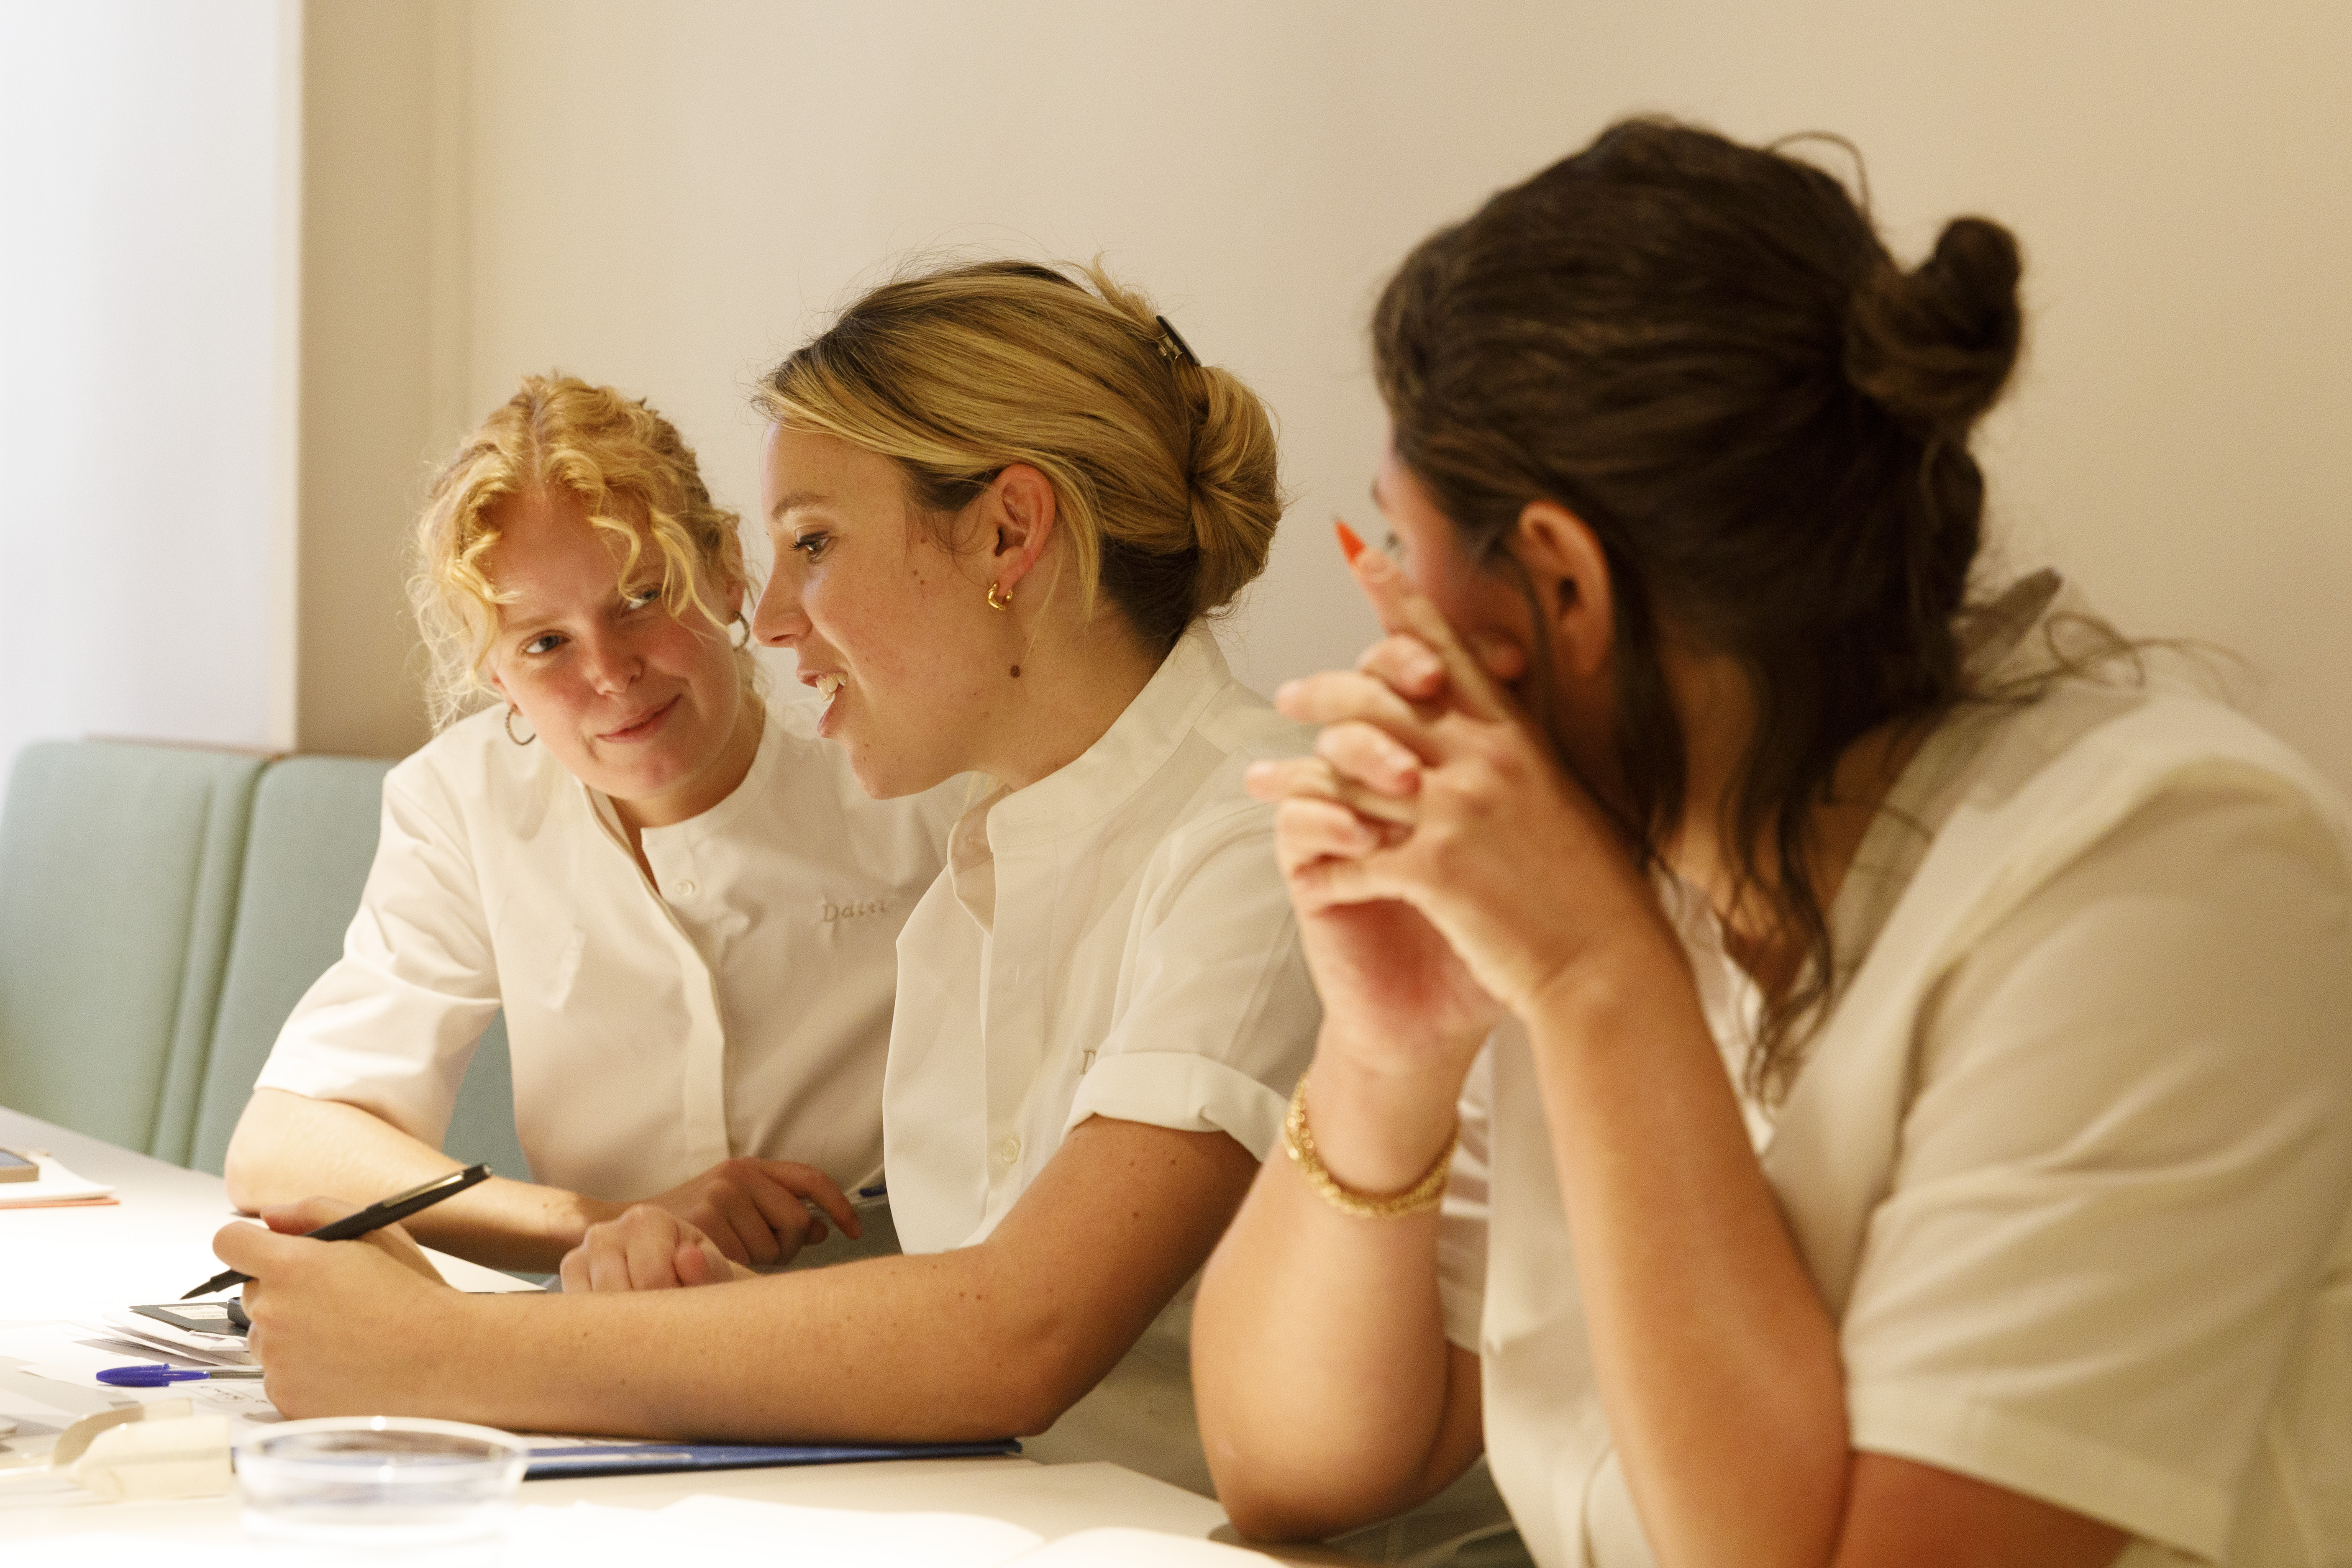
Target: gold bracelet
point(1424, 1194)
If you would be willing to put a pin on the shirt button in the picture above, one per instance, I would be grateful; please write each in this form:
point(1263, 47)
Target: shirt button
point(1009, 1150)
point(685, 888)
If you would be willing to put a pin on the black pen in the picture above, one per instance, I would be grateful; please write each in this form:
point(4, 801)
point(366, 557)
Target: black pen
point(375, 1216)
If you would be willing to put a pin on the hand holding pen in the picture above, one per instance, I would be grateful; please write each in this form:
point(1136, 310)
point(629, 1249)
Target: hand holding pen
point(375, 1216)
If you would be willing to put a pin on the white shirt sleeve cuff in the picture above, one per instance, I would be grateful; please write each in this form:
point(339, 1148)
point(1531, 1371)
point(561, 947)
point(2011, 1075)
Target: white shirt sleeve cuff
point(416, 1099)
point(1179, 1089)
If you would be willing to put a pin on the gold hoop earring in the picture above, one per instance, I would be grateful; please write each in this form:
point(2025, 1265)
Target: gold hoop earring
point(510, 734)
point(996, 604)
point(741, 620)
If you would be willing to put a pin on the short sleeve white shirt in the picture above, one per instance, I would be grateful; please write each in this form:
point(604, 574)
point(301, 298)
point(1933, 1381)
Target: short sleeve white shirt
point(737, 1003)
point(1113, 940)
point(2070, 1162)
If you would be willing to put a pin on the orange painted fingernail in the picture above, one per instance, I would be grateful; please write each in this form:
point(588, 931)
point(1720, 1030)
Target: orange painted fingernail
point(1349, 545)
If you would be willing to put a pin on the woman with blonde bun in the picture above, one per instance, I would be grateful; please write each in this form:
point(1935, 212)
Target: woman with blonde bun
point(1917, 1124)
point(1004, 500)
point(675, 893)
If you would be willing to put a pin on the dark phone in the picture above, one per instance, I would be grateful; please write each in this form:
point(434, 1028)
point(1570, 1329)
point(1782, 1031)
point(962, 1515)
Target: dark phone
point(15, 1167)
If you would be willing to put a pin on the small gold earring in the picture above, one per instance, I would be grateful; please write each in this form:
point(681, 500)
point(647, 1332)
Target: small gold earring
point(510, 734)
point(996, 604)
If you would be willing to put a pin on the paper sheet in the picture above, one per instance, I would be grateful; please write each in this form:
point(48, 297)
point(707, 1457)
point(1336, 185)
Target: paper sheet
point(79, 1362)
point(49, 1379)
point(55, 1186)
point(179, 1345)
point(711, 1530)
point(45, 1398)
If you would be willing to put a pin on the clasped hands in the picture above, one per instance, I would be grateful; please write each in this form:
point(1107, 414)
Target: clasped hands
point(1445, 866)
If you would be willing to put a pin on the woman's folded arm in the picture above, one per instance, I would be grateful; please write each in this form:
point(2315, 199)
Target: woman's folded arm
point(1329, 1395)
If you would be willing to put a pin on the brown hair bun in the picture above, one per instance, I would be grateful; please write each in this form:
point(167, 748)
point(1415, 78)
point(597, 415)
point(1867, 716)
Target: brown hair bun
point(1934, 346)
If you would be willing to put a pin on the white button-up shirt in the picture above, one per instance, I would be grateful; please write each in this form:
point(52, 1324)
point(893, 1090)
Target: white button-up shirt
point(2069, 1163)
point(1112, 940)
point(737, 1004)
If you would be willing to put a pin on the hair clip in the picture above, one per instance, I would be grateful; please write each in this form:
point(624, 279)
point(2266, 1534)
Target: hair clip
point(1173, 344)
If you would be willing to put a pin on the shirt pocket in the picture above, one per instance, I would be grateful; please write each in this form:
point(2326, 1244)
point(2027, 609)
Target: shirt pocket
point(539, 948)
point(565, 971)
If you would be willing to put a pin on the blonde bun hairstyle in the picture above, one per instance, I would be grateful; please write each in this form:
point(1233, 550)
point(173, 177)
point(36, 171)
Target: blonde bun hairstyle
point(1163, 469)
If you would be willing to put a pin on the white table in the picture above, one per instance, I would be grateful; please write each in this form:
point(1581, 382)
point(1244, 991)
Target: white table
point(76, 1262)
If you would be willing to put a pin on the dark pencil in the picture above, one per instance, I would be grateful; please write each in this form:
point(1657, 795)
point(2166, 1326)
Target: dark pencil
point(375, 1216)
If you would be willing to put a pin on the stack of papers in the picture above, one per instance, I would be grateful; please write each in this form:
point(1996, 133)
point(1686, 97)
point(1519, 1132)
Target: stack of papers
point(56, 1187)
point(48, 1377)
point(138, 1334)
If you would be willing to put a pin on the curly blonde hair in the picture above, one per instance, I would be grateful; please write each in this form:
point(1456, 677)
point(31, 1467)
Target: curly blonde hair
point(634, 476)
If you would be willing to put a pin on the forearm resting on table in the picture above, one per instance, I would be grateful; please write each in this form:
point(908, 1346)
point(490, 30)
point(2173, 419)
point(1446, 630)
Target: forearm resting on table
point(287, 1147)
point(1318, 1414)
point(937, 1348)
point(989, 1340)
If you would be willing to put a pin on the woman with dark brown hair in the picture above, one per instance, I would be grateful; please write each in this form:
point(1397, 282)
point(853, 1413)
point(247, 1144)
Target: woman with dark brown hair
point(1897, 1062)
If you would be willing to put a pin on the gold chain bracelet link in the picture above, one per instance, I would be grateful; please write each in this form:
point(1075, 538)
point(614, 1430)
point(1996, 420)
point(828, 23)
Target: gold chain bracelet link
point(1424, 1194)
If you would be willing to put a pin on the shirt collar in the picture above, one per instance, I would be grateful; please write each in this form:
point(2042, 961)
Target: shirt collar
point(1074, 797)
point(1992, 638)
point(760, 778)
point(1104, 775)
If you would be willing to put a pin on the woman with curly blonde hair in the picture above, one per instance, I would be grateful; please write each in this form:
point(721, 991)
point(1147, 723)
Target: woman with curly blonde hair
point(679, 895)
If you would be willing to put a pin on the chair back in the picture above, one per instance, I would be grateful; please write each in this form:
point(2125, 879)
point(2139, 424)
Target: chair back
point(119, 873)
point(315, 824)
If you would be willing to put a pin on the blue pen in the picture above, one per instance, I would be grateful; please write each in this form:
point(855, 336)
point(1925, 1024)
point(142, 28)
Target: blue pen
point(163, 1375)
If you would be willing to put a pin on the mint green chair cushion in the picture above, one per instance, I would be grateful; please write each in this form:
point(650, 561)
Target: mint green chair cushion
point(482, 1127)
point(315, 821)
point(119, 869)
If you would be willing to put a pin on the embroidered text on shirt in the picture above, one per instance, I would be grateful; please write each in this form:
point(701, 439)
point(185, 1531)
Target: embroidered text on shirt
point(851, 909)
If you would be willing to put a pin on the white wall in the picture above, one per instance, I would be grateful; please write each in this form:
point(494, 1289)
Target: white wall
point(382, 336)
point(144, 300)
point(668, 196)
